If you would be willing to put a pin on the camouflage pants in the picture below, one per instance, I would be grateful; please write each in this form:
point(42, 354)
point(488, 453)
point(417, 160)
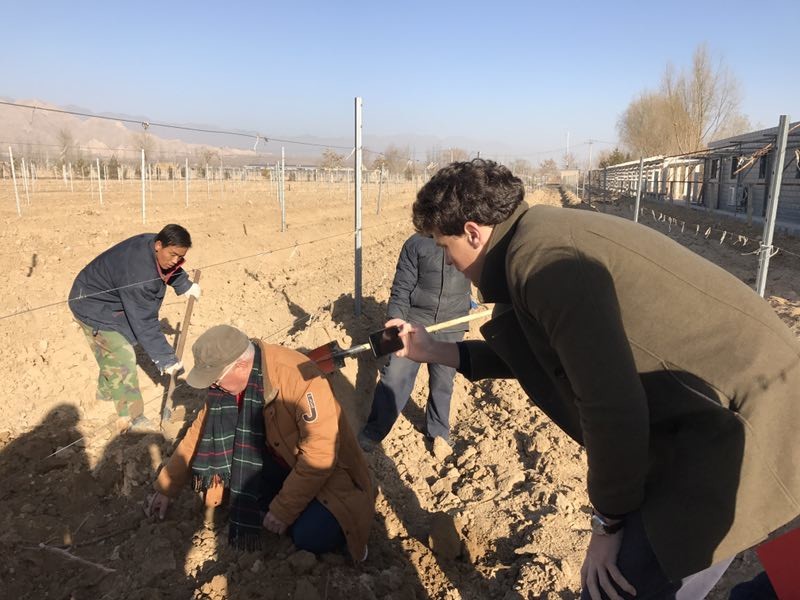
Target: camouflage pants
point(118, 381)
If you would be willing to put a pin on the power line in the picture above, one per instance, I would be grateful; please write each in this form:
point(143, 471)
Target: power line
point(147, 124)
point(209, 266)
point(254, 135)
point(160, 396)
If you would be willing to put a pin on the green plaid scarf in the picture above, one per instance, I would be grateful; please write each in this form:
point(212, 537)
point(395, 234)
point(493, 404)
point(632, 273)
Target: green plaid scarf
point(231, 452)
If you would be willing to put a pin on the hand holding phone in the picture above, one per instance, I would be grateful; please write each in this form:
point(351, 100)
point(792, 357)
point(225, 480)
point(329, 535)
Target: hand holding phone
point(385, 341)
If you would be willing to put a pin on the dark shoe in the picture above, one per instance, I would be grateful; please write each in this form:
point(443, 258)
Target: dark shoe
point(758, 588)
point(367, 444)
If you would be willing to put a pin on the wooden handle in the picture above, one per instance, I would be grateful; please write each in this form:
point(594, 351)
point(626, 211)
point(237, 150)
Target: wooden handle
point(456, 321)
point(188, 317)
point(182, 335)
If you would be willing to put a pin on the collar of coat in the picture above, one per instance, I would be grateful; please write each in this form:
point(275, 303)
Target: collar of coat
point(270, 391)
point(493, 286)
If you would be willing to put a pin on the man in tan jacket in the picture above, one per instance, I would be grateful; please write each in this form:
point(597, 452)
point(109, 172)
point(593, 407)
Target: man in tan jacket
point(278, 444)
point(682, 384)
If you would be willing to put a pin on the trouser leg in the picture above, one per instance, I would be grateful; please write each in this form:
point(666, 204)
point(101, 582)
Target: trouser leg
point(437, 410)
point(440, 392)
point(391, 395)
point(316, 529)
point(118, 380)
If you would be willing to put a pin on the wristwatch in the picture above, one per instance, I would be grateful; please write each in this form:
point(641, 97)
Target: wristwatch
point(601, 526)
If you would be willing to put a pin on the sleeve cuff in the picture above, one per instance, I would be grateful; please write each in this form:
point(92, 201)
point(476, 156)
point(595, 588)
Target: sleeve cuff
point(464, 363)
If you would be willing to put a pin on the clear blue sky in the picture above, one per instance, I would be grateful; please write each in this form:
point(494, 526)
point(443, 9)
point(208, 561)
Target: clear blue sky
point(523, 74)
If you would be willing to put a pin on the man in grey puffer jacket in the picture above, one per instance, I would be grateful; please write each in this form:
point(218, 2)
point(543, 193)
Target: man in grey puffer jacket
point(425, 290)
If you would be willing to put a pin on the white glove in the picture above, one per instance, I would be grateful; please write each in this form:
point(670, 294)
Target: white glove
point(174, 369)
point(194, 291)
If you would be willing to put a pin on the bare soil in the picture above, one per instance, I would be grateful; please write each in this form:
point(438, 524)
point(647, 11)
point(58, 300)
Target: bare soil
point(503, 516)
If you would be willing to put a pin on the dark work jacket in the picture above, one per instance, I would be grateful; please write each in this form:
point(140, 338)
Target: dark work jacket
point(681, 382)
point(426, 290)
point(121, 290)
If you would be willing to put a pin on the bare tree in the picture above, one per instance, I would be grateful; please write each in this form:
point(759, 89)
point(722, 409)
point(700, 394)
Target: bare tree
point(521, 166)
point(331, 159)
point(646, 128)
point(568, 161)
point(548, 169)
point(691, 109)
point(145, 140)
point(613, 157)
point(701, 102)
point(455, 154)
point(66, 144)
point(378, 163)
point(396, 159)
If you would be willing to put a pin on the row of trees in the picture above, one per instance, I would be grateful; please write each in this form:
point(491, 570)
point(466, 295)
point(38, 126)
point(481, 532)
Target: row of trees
point(399, 161)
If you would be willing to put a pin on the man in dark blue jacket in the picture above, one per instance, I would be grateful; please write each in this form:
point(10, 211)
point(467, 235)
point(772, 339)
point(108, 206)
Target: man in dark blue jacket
point(116, 299)
point(426, 290)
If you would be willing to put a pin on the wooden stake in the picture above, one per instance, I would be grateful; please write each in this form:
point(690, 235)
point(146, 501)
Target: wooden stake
point(168, 405)
point(14, 177)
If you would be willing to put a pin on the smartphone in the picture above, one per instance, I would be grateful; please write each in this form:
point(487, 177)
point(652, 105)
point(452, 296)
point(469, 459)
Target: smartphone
point(385, 341)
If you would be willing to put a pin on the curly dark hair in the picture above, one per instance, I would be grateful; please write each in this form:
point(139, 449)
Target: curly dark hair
point(478, 190)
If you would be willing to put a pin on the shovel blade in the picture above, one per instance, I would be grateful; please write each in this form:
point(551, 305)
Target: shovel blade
point(325, 357)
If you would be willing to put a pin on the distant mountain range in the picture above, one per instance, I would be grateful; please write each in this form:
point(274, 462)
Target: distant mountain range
point(43, 134)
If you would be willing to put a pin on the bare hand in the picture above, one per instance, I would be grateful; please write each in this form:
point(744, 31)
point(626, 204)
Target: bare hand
point(156, 505)
point(600, 567)
point(416, 341)
point(274, 524)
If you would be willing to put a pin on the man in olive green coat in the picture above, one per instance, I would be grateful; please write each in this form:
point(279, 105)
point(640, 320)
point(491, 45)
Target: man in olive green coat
point(681, 383)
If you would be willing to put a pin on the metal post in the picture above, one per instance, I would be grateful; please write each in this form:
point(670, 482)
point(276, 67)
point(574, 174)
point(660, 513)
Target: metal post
point(25, 182)
point(99, 182)
point(150, 179)
point(282, 189)
point(772, 205)
point(144, 220)
point(380, 189)
point(91, 180)
point(357, 174)
point(186, 179)
point(14, 177)
point(638, 191)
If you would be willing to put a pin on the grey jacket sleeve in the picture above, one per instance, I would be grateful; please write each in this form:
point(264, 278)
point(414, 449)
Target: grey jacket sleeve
point(405, 280)
point(141, 310)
